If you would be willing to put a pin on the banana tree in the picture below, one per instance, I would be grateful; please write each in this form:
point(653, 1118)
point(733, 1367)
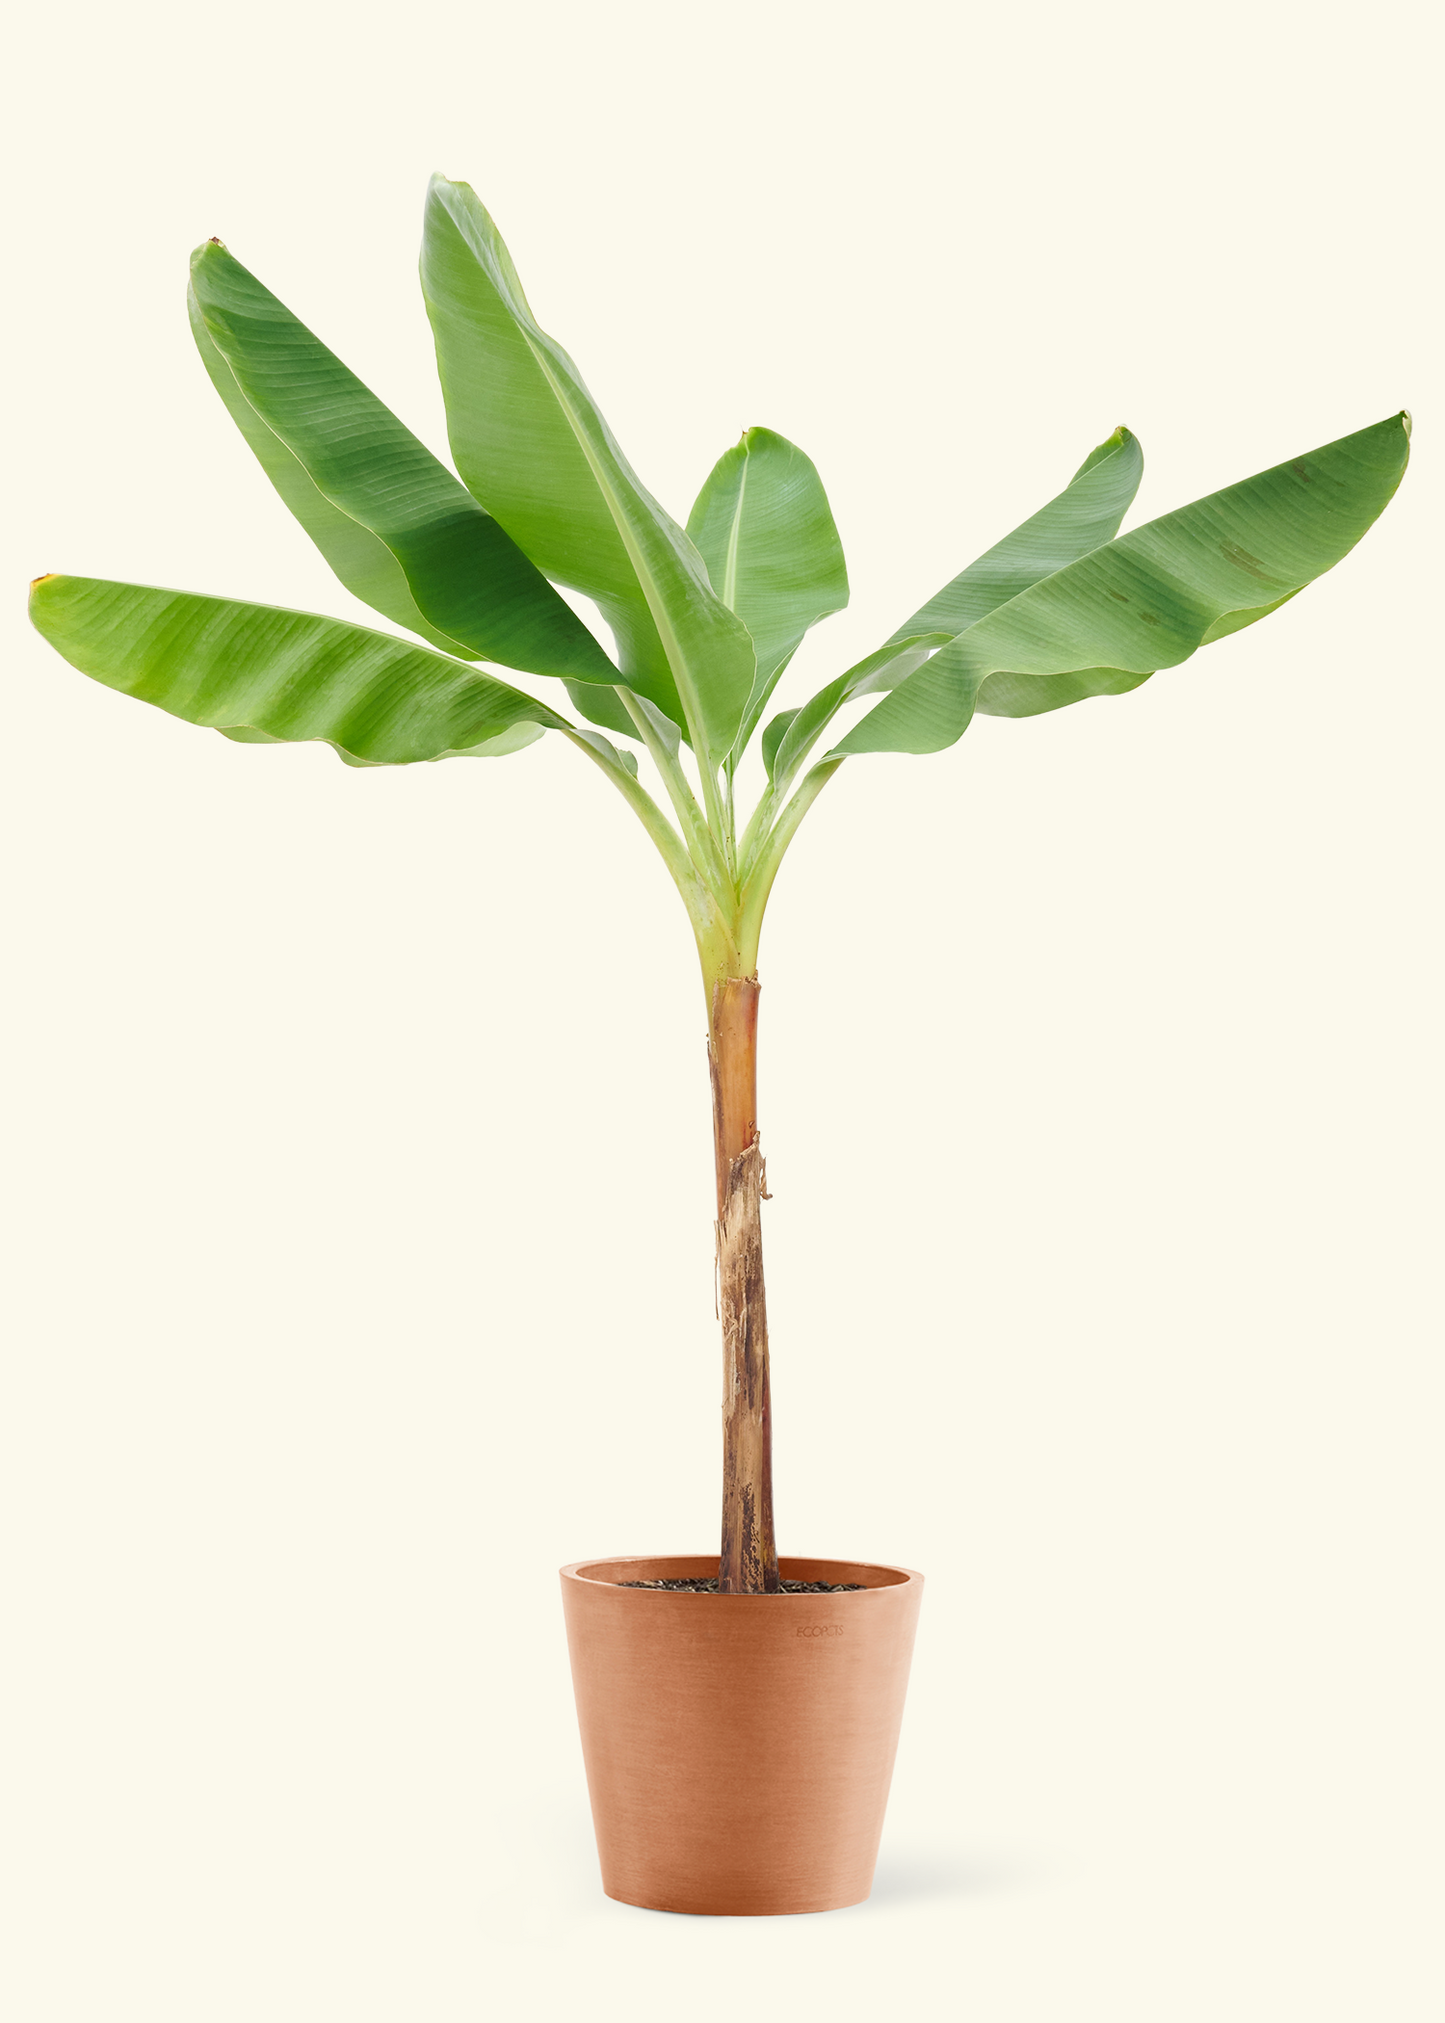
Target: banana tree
point(703, 621)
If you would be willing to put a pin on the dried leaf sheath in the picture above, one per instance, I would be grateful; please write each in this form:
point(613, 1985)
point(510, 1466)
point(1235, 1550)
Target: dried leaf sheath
point(749, 1559)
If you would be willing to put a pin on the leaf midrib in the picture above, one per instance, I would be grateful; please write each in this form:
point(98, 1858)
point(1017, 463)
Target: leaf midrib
point(656, 604)
point(729, 591)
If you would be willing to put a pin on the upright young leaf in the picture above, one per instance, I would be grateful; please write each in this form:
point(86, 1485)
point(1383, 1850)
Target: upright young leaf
point(1149, 599)
point(290, 675)
point(531, 445)
point(773, 736)
point(763, 526)
point(396, 526)
point(1084, 516)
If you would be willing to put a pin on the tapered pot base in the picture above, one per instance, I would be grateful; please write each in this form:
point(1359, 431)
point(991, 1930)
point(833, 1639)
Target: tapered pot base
point(739, 1748)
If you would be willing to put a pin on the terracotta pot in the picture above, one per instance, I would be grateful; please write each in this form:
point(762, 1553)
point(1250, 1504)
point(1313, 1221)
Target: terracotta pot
point(738, 1747)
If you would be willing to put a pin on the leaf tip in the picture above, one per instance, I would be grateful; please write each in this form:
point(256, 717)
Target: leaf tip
point(36, 581)
point(207, 250)
point(1407, 422)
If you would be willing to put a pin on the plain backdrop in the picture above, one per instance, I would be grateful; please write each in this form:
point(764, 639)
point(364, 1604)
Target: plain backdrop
point(359, 1216)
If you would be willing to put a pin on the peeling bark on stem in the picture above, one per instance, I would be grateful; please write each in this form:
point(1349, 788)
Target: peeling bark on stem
point(749, 1560)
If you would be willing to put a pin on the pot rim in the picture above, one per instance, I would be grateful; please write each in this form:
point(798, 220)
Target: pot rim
point(586, 1572)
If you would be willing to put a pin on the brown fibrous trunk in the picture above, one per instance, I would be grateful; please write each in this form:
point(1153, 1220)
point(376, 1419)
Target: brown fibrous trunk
point(749, 1560)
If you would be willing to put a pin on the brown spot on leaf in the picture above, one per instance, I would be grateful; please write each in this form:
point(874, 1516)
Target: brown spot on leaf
point(1242, 559)
point(1118, 597)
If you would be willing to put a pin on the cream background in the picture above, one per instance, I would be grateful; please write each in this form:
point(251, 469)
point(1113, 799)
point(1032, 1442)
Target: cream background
point(359, 1139)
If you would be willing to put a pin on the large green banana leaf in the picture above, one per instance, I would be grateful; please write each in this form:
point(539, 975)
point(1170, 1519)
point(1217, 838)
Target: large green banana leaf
point(1151, 598)
point(763, 526)
point(287, 674)
point(1084, 516)
point(364, 564)
point(399, 530)
point(531, 445)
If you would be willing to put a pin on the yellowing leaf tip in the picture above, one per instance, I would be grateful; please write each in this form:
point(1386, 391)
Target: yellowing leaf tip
point(48, 577)
point(1406, 421)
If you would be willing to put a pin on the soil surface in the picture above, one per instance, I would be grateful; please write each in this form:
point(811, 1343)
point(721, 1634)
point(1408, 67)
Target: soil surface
point(699, 1586)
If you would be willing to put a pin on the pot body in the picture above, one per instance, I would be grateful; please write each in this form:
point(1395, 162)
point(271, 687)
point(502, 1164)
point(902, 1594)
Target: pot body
point(738, 1747)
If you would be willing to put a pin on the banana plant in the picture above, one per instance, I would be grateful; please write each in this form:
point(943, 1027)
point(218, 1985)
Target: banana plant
point(703, 620)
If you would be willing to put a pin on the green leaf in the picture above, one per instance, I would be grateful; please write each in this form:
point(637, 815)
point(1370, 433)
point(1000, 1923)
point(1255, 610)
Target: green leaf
point(773, 736)
point(399, 530)
point(1149, 599)
point(269, 674)
point(885, 668)
point(364, 564)
point(763, 526)
point(531, 445)
point(600, 706)
point(608, 751)
point(1084, 516)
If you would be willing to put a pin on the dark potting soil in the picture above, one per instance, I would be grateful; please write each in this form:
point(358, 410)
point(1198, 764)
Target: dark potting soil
point(699, 1586)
